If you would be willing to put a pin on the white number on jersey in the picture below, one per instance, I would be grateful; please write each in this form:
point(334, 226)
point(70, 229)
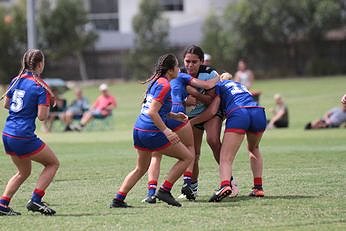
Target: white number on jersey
point(146, 105)
point(236, 89)
point(17, 100)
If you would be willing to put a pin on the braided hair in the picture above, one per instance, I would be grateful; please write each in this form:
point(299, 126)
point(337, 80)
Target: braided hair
point(30, 61)
point(164, 64)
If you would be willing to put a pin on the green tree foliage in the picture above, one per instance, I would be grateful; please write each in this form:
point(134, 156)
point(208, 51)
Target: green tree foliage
point(151, 38)
point(63, 31)
point(251, 27)
point(12, 40)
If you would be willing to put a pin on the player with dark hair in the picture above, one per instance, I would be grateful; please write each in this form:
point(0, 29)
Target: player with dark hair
point(193, 65)
point(244, 116)
point(151, 134)
point(28, 97)
point(183, 130)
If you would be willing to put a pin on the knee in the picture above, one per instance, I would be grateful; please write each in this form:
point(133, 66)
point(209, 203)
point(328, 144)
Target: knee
point(190, 157)
point(24, 174)
point(55, 165)
point(141, 170)
point(213, 141)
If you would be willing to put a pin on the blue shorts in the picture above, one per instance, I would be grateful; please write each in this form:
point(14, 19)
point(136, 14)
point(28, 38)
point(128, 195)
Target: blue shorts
point(149, 140)
point(175, 125)
point(21, 146)
point(242, 120)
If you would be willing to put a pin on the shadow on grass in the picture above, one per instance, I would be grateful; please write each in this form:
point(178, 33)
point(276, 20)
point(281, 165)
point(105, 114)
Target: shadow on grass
point(245, 198)
point(289, 197)
point(122, 211)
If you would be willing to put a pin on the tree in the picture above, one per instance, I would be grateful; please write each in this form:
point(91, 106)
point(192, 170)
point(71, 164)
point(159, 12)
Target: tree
point(63, 31)
point(12, 40)
point(151, 38)
point(255, 27)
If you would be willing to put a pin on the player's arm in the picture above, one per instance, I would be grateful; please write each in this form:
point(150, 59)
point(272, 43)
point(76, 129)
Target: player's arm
point(43, 112)
point(206, 84)
point(206, 99)
point(208, 113)
point(178, 116)
point(153, 112)
point(7, 102)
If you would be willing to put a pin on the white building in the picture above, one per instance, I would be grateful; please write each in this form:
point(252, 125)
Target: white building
point(113, 20)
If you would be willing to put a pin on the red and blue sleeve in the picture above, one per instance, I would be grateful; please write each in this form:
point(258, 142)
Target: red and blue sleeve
point(162, 90)
point(43, 96)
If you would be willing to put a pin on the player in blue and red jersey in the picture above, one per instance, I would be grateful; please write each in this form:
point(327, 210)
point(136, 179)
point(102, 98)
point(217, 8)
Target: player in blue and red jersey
point(244, 116)
point(28, 97)
point(150, 134)
point(193, 65)
point(183, 130)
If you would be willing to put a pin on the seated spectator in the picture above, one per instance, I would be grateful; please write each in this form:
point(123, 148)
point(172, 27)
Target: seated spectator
point(246, 77)
point(331, 119)
point(75, 110)
point(280, 114)
point(54, 112)
point(102, 108)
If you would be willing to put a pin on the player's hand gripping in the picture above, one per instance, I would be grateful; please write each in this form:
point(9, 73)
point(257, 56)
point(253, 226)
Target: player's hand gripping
point(171, 136)
point(178, 116)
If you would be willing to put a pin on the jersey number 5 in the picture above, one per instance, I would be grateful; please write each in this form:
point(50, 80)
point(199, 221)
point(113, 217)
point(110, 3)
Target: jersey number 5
point(17, 100)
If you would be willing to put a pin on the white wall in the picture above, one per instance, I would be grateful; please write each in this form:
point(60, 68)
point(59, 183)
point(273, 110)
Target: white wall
point(186, 26)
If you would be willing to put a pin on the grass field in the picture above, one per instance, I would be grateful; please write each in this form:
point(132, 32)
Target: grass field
point(304, 173)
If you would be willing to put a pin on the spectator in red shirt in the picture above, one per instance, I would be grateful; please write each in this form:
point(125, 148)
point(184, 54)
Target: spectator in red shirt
point(102, 107)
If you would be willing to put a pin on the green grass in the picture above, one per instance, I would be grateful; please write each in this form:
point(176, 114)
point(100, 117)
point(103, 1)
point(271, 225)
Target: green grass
point(304, 173)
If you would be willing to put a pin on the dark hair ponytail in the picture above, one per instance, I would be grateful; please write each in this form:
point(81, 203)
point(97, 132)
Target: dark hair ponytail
point(164, 64)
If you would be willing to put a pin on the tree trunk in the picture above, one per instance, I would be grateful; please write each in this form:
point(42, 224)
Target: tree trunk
point(82, 68)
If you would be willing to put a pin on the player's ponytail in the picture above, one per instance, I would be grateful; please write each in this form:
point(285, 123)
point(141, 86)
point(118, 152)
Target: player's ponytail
point(30, 60)
point(166, 62)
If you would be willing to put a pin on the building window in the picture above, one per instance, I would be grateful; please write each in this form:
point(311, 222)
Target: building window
point(103, 14)
point(172, 5)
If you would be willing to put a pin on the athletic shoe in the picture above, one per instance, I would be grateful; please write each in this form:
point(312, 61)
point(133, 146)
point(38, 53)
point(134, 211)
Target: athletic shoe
point(257, 192)
point(167, 197)
point(40, 207)
point(221, 193)
point(188, 192)
point(7, 211)
point(119, 204)
point(68, 128)
point(235, 189)
point(149, 199)
point(76, 127)
point(194, 188)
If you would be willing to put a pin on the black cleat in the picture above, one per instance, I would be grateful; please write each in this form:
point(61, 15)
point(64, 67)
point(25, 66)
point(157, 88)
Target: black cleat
point(40, 207)
point(188, 192)
point(167, 197)
point(7, 211)
point(149, 199)
point(221, 193)
point(119, 204)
